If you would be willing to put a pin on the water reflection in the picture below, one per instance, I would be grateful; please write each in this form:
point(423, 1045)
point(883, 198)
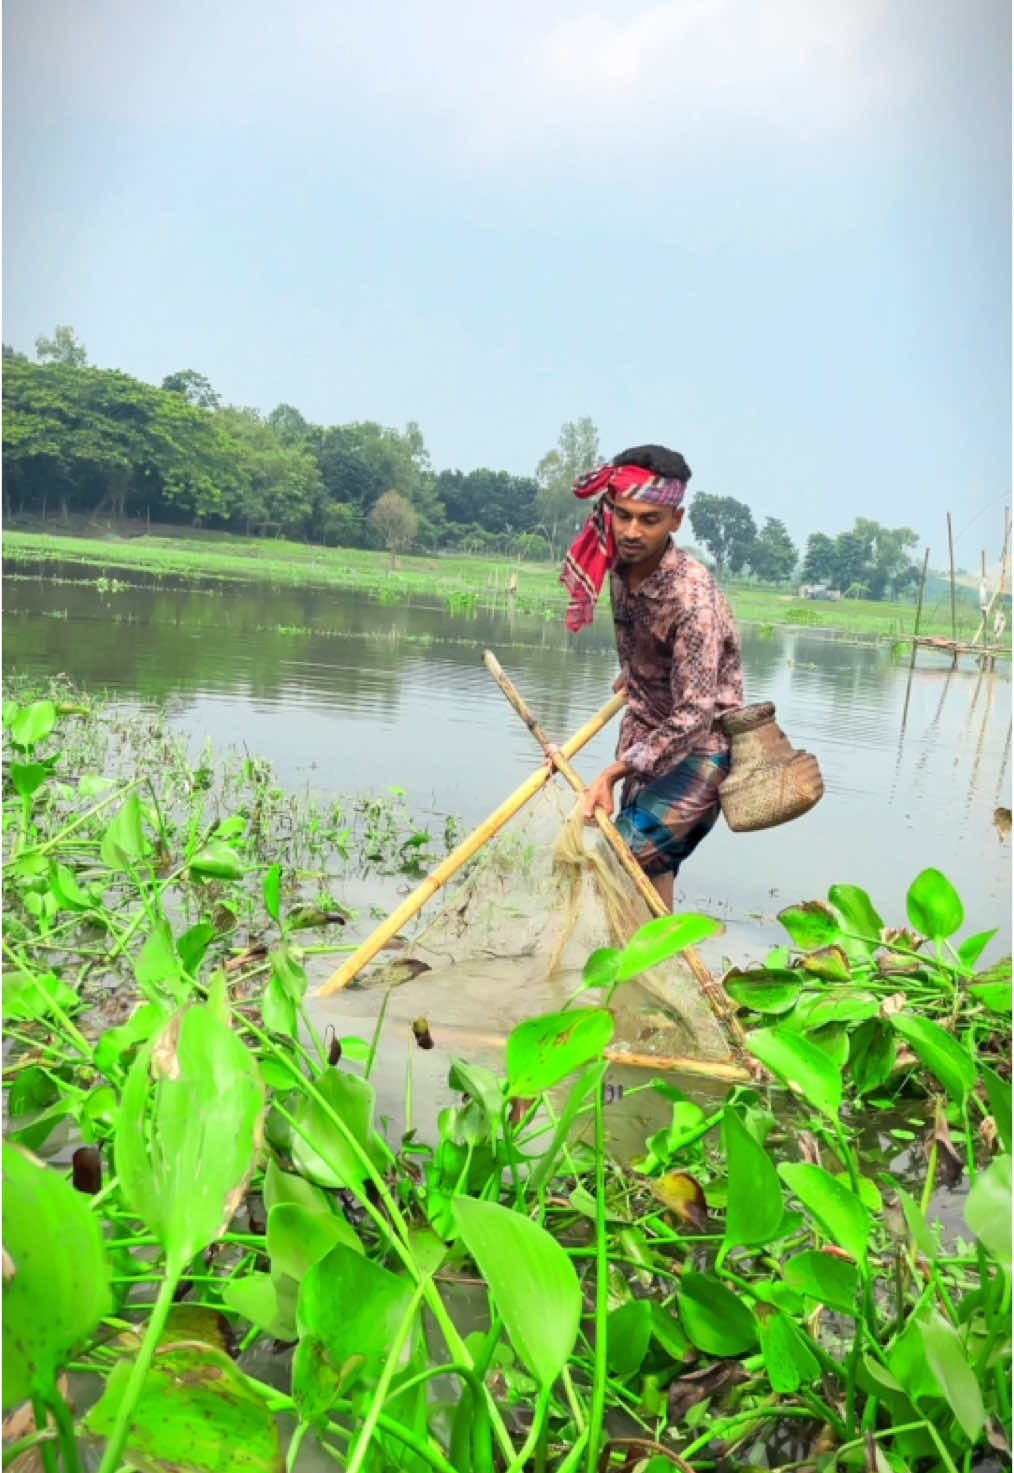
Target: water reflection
point(344, 693)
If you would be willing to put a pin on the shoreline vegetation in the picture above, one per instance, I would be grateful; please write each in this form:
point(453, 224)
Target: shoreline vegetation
point(462, 583)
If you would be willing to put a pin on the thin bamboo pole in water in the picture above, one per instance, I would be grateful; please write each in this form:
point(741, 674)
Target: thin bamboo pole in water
point(464, 852)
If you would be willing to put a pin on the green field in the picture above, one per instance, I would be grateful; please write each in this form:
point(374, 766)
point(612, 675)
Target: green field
point(457, 581)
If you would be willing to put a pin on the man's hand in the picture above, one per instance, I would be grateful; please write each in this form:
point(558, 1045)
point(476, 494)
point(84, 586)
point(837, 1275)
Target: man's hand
point(620, 683)
point(599, 794)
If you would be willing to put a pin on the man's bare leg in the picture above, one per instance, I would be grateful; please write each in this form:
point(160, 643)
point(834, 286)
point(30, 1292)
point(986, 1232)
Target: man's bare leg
point(665, 884)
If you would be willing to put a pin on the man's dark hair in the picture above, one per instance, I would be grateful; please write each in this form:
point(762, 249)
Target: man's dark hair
point(657, 459)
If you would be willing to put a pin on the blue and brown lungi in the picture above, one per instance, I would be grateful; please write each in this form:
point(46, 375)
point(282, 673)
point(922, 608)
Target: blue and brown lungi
point(664, 821)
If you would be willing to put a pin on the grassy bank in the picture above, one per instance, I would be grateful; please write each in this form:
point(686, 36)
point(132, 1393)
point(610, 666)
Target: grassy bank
point(459, 582)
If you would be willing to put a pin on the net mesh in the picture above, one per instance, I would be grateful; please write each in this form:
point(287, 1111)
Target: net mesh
point(512, 936)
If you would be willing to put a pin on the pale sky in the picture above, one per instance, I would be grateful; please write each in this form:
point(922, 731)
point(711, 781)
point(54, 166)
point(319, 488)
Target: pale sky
point(774, 234)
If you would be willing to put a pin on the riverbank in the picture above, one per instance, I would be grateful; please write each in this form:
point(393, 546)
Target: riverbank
point(458, 582)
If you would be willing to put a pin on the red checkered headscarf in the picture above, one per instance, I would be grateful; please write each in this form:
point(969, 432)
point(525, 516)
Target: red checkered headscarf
point(593, 550)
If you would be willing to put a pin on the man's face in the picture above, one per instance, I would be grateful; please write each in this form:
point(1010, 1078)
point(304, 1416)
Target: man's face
point(642, 529)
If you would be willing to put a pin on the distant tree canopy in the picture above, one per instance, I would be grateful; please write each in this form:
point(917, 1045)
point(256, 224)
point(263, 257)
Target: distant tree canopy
point(94, 442)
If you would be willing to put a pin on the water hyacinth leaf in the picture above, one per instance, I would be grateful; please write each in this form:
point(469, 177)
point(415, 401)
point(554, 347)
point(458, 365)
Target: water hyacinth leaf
point(716, 1321)
point(948, 1359)
point(600, 968)
point(273, 893)
point(767, 990)
point(532, 1282)
point(918, 1227)
point(872, 1054)
point(66, 889)
point(196, 1411)
point(321, 1149)
point(857, 911)
point(684, 1197)
point(482, 1086)
point(216, 860)
point(123, 843)
point(299, 1237)
point(56, 1278)
point(28, 777)
point(354, 1307)
point(115, 1042)
point(315, 1382)
point(847, 1007)
point(942, 1055)
point(188, 1132)
point(32, 724)
point(934, 906)
point(285, 1186)
point(988, 1209)
point(192, 945)
point(628, 1334)
point(157, 961)
point(753, 1213)
point(28, 997)
point(972, 947)
point(828, 962)
point(811, 924)
point(799, 1064)
point(662, 938)
point(998, 1093)
point(544, 1050)
point(288, 973)
point(842, 1216)
point(278, 1011)
point(831, 1281)
point(788, 1360)
point(832, 1041)
point(996, 996)
point(268, 1301)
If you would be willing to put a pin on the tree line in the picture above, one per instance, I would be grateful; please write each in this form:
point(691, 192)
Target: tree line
point(82, 440)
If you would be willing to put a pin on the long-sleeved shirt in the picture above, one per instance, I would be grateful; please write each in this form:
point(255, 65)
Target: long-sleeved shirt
point(680, 658)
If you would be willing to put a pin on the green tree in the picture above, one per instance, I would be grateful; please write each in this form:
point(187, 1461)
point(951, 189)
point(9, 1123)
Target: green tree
point(726, 528)
point(493, 500)
point(773, 556)
point(890, 567)
point(193, 386)
point(62, 347)
point(396, 521)
point(283, 489)
point(819, 563)
point(576, 451)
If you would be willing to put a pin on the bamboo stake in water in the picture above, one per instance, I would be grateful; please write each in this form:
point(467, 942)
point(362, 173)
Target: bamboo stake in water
point(954, 612)
point(464, 852)
point(725, 1018)
point(915, 636)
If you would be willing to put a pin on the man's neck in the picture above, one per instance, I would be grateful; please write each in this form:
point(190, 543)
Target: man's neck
point(639, 574)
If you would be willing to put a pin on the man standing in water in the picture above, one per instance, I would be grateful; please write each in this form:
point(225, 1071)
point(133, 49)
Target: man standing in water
point(679, 658)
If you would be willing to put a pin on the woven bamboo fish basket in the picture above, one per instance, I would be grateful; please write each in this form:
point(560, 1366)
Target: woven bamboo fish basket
point(769, 781)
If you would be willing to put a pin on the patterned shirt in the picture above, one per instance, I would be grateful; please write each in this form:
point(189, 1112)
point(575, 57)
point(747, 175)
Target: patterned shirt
point(679, 654)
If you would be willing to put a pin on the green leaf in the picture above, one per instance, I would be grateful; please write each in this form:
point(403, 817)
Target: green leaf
point(948, 1359)
point(56, 1278)
point(800, 1065)
point(872, 1055)
point(628, 1334)
point(840, 1213)
point(831, 1281)
point(934, 906)
point(753, 1214)
point(811, 923)
point(268, 1301)
point(857, 911)
point(278, 1011)
point(315, 1382)
point(288, 972)
point(115, 1042)
point(65, 887)
point(788, 1360)
point(188, 1131)
point(273, 893)
point(544, 1050)
point(299, 1237)
point(988, 1209)
point(482, 1086)
point(942, 1055)
point(123, 843)
point(33, 723)
point(157, 963)
point(532, 1282)
point(192, 945)
point(993, 986)
point(972, 947)
point(217, 860)
point(915, 1221)
point(715, 1319)
point(284, 1186)
point(998, 1092)
point(600, 968)
point(196, 1411)
point(827, 962)
point(662, 938)
point(28, 777)
point(354, 1308)
point(29, 998)
point(764, 990)
point(321, 1150)
point(840, 1006)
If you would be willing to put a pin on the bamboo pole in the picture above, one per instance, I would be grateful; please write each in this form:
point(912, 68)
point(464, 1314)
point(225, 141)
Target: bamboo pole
point(915, 636)
point(669, 1063)
point(464, 852)
point(726, 1019)
point(954, 607)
